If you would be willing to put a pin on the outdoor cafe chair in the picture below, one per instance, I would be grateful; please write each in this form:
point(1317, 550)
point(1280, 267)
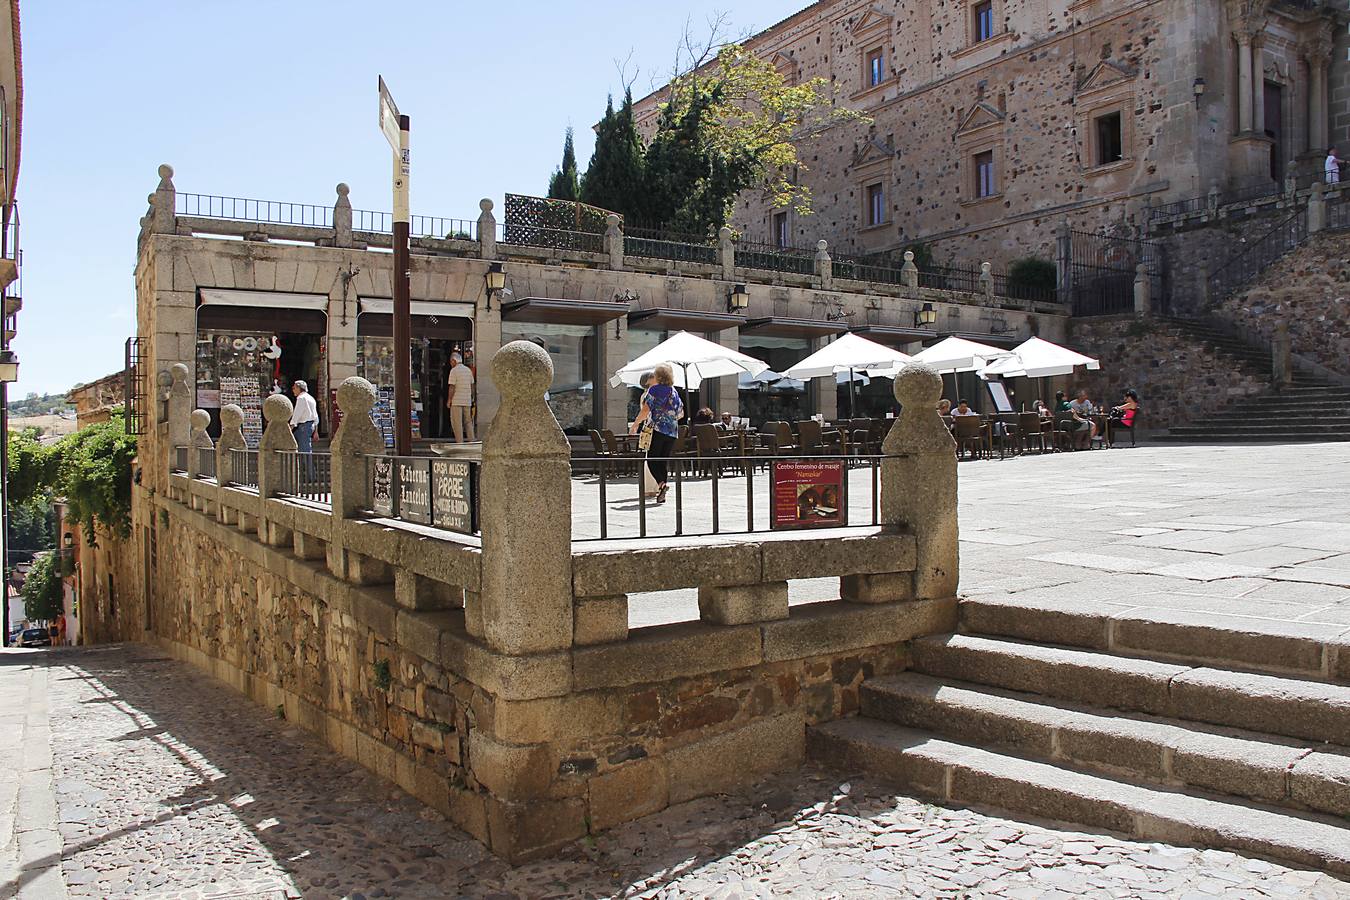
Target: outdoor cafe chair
point(973, 434)
point(598, 446)
point(625, 459)
point(1032, 433)
point(785, 443)
point(710, 452)
point(816, 441)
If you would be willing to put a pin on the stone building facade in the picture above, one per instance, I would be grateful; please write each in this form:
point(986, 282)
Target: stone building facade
point(994, 120)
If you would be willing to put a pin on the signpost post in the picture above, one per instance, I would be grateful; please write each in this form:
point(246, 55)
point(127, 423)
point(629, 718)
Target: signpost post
point(395, 128)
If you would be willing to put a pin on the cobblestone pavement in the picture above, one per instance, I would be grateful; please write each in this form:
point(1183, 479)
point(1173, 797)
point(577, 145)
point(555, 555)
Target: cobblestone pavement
point(167, 784)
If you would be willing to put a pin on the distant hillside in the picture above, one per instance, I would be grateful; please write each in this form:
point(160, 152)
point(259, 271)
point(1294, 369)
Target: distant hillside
point(40, 405)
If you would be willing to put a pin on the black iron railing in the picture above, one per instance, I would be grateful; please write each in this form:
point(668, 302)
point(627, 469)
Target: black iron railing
point(1243, 267)
point(1191, 205)
point(375, 222)
point(722, 495)
point(1104, 269)
point(944, 278)
point(426, 490)
point(1338, 211)
point(180, 459)
point(135, 387)
point(244, 468)
point(876, 270)
point(240, 209)
point(308, 476)
point(206, 462)
point(553, 238)
point(792, 260)
point(653, 243)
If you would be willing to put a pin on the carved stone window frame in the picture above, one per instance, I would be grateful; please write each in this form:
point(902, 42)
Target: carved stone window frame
point(1117, 94)
point(875, 31)
point(969, 28)
point(973, 140)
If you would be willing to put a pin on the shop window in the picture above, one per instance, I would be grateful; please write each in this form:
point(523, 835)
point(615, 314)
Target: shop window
point(434, 339)
point(876, 67)
point(986, 184)
point(982, 21)
point(876, 205)
point(572, 396)
point(781, 237)
point(1110, 143)
point(784, 400)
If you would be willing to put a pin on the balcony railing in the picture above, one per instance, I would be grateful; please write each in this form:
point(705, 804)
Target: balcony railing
point(180, 459)
point(240, 209)
point(206, 462)
point(244, 468)
point(308, 476)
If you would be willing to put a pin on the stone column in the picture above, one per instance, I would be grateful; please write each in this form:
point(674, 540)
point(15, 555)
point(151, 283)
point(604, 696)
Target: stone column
point(1244, 59)
point(1259, 83)
point(355, 440)
point(824, 266)
point(526, 512)
point(726, 252)
point(918, 490)
point(614, 242)
point(342, 218)
point(1317, 208)
point(987, 282)
point(487, 230)
point(1143, 291)
point(180, 408)
point(162, 201)
point(198, 421)
point(1064, 262)
point(1317, 54)
point(277, 436)
point(728, 386)
point(909, 273)
point(231, 438)
point(1281, 358)
point(613, 353)
point(826, 389)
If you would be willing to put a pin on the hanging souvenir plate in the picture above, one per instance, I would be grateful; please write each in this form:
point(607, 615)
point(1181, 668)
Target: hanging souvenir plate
point(238, 343)
point(250, 344)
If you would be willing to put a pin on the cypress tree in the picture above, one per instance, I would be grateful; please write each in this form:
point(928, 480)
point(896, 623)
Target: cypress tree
point(614, 179)
point(563, 185)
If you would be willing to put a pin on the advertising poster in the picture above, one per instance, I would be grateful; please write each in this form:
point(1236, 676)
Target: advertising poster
point(414, 491)
point(454, 505)
point(381, 486)
point(809, 494)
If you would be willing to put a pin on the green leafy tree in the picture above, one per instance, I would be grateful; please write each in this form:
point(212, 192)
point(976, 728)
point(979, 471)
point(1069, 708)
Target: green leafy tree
point(563, 185)
point(30, 527)
point(1032, 276)
point(615, 176)
point(42, 589)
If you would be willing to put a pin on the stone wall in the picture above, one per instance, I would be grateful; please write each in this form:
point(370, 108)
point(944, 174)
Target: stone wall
point(1178, 378)
point(1310, 290)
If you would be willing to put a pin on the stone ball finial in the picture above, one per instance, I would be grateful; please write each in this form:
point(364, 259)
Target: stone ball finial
point(612, 220)
point(522, 370)
point(199, 419)
point(163, 379)
point(231, 416)
point(485, 205)
point(342, 189)
point(822, 244)
point(165, 171)
point(918, 385)
point(986, 268)
point(179, 372)
point(355, 396)
point(909, 256)
point(150, 197)
point(277, 408)
point(725, 233)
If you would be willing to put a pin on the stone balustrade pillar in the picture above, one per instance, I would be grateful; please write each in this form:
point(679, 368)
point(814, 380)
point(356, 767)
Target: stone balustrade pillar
point(918, 493)
point(1244, 87)
point(726, 252)
point(1212, 200)
point(342, 218)
point(180, 411)
point(525, 512)
point(614, 241)
point(198, 421)
point(987, 282)
point(356, 440)
point(824, 266)
point(1317, 208)
point(1281, 357)
point(487, 230)
point(1143, 291)
point(1064, 261)
point(276, 437)
point(231, 438)
point(162, 203)
point(909, 273)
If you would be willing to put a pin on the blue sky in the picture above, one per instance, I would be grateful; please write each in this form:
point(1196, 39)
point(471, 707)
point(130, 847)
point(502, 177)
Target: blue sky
point(277, 101)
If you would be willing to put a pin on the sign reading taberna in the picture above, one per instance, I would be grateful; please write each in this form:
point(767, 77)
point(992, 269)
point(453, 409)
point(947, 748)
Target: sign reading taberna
point(809, 494)
point(442, 493)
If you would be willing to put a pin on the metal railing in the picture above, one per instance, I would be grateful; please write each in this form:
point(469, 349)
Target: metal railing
point(1338, 212)
point(425, 490)
point(244, 468)
point(1191, 205)
point(792, 260)
point(862, 268)
point(308, 476)
point(943, 278)
point(1005, 286)
point(552, 238)
point(1246, 265)
point(206, 462)
point(180, 458)
point(703, 500)
point(653, 243)
point(240, 209)
point(376, 222)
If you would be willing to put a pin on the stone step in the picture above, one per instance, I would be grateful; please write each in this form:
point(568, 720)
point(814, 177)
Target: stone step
point(955, 772)
point(1257, 702)
point(1238, 437)
point(1301, 774)
point(1297, 426)
point(1312, 650)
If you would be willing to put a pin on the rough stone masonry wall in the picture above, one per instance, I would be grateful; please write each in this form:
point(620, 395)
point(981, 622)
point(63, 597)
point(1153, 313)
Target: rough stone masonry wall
point(1178, 378)
point(1310, 290)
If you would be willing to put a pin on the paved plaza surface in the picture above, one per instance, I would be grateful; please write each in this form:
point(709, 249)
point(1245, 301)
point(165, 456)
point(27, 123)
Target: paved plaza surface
point(131, 775)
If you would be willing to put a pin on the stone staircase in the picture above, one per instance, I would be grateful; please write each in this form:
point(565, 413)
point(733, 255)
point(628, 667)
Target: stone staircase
point(1138, 730)
point(1307, 411)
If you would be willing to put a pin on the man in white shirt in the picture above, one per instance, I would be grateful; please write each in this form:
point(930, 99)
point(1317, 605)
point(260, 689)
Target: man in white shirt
point(963, 409)
point(304, 419)
point(1333, 167)
point(459, 399)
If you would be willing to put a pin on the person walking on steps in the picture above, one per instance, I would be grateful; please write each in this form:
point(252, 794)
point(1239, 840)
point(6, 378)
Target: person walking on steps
point(660, 409)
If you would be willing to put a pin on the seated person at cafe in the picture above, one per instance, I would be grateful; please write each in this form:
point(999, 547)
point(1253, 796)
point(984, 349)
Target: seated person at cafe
point(944, 407)
point(1085, 410)
point(963, 408)
point(726, 422)
point(1123, 416)
point(1079, 427)
point(705, 416)
point(1041, 409)
point(1061, 402)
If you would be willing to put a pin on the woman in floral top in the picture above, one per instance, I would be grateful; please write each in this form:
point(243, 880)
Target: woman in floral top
point(661, 405)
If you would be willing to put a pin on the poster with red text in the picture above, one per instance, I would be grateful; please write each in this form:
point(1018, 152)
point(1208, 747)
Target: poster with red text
point(809, 494)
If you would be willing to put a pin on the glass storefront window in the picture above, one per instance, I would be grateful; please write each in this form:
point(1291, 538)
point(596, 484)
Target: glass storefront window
point(641, 341)
point(572, 396)
point(430, 367)
point(872, 399)
point(782, 401)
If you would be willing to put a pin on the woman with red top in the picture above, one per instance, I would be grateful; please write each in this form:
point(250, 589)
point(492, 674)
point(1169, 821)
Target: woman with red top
point(1123, 415)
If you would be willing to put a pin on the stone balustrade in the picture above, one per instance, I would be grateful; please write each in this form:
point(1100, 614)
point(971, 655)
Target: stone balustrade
point(496, 677)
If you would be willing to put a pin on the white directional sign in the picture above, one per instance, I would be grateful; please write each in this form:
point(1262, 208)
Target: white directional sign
point(389, 117)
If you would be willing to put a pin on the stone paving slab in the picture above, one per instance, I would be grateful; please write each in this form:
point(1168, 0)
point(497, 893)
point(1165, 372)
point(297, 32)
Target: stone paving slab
point(167, 784)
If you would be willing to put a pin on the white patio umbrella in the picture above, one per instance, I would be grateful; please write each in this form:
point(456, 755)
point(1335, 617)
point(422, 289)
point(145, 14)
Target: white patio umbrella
point(692, 358)
point(746, 381)
point(850, 355)
point(1038, 358)
point(954, 354)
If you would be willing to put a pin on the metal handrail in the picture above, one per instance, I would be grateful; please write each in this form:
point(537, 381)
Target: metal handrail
point(308, 476)
point(757, 255)
point(206, 462)
point(180, 458)
point(244, 468)
point(241, 209)
point(1244, 266)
